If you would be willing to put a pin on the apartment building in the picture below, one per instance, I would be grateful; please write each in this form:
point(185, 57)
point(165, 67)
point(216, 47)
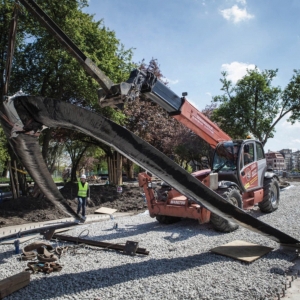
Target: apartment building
point(296, 160)
point(275, 160)
point(287, 154)
point(284, 159)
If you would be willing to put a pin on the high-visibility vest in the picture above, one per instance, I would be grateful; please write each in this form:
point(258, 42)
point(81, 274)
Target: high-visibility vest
point(82, 190)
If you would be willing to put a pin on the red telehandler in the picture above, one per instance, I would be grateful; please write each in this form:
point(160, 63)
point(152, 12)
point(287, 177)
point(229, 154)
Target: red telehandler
point(238, 172)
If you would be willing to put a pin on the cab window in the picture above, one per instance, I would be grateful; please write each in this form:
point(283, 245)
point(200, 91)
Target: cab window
point(259, 151)
point(248, 153)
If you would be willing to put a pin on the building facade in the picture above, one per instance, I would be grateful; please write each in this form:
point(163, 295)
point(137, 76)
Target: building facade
point(296, 160)
point(291, 160)
point(275, 161)
point(287, 154)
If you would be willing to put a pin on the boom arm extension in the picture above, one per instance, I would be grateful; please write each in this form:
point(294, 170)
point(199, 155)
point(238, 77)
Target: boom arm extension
point(147, 84)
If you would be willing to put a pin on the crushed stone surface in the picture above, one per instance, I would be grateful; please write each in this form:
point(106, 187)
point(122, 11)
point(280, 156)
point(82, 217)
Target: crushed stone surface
point(180, 264)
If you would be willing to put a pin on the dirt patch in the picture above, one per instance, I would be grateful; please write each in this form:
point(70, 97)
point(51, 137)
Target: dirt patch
point(28, 209)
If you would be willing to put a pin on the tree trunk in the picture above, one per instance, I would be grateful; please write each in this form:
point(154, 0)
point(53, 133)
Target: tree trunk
point(16, 179)
point(46, 141)
point(129, 169)
point(119, 168)
point(114, 163)
point(73, 173)
point(12, 183)
point(23, 183)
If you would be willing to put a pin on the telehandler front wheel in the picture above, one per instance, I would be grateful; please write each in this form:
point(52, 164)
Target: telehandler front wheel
point(233, 196)
point(270, 200)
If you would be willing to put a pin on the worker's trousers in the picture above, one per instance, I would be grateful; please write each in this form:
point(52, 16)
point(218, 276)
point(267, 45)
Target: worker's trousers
point(81, 204)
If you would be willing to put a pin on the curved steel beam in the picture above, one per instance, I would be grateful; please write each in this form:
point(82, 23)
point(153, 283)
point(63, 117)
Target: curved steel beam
point(55, 113)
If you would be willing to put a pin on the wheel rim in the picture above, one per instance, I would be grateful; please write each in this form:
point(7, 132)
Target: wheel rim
point(233, 201)
point(273, 196)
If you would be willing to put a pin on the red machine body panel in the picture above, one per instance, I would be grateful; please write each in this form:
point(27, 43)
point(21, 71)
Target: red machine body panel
point(192, 118)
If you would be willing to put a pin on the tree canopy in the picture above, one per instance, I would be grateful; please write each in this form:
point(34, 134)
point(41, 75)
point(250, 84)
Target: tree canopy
point(254, 106)
point(43, 67)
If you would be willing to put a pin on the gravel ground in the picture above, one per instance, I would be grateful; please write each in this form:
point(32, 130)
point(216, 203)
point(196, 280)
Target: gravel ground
point(179, 266)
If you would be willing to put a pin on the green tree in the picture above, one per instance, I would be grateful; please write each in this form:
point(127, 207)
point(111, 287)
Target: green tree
point(254, 106)
point(43, 67)
point(3, 150)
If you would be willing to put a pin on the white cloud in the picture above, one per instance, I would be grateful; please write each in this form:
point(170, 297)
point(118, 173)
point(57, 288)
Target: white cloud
point(243, 2)
point(289, 125)
point(236, 70)
point(296, 141)
point(236, 14)
point(170, 81)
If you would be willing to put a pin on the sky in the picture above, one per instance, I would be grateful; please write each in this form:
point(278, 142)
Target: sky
point(195, 40)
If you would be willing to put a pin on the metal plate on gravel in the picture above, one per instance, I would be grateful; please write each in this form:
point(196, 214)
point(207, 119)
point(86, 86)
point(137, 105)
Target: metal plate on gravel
point(242, 250)
point(131, 247)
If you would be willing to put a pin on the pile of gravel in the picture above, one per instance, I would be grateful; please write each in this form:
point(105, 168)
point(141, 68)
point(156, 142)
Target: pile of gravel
point(179, 266)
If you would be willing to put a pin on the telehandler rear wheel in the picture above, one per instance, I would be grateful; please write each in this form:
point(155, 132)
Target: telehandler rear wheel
point(167, 219)
point(233, 196)
point(270, 200)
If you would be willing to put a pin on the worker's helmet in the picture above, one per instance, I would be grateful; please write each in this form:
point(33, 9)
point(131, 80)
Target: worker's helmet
point(82, 176)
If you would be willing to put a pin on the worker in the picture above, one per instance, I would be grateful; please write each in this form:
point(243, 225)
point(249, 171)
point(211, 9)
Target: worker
point(247, 156)
point(82, 193)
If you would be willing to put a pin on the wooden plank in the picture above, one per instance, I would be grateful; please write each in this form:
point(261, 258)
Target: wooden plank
point(14, 279)
point(105, 210)
point(242, 250)
point(9, 290)
point(13, 283)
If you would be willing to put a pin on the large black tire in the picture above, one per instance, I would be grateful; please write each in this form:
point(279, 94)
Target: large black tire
point(271, 197)
point(167, 219)
point(233, 196)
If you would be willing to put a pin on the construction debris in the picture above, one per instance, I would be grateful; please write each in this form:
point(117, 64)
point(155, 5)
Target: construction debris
point(45, 267)
point(13, 283)
point(131, 247)
point(132, 250)
point(44, 252)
